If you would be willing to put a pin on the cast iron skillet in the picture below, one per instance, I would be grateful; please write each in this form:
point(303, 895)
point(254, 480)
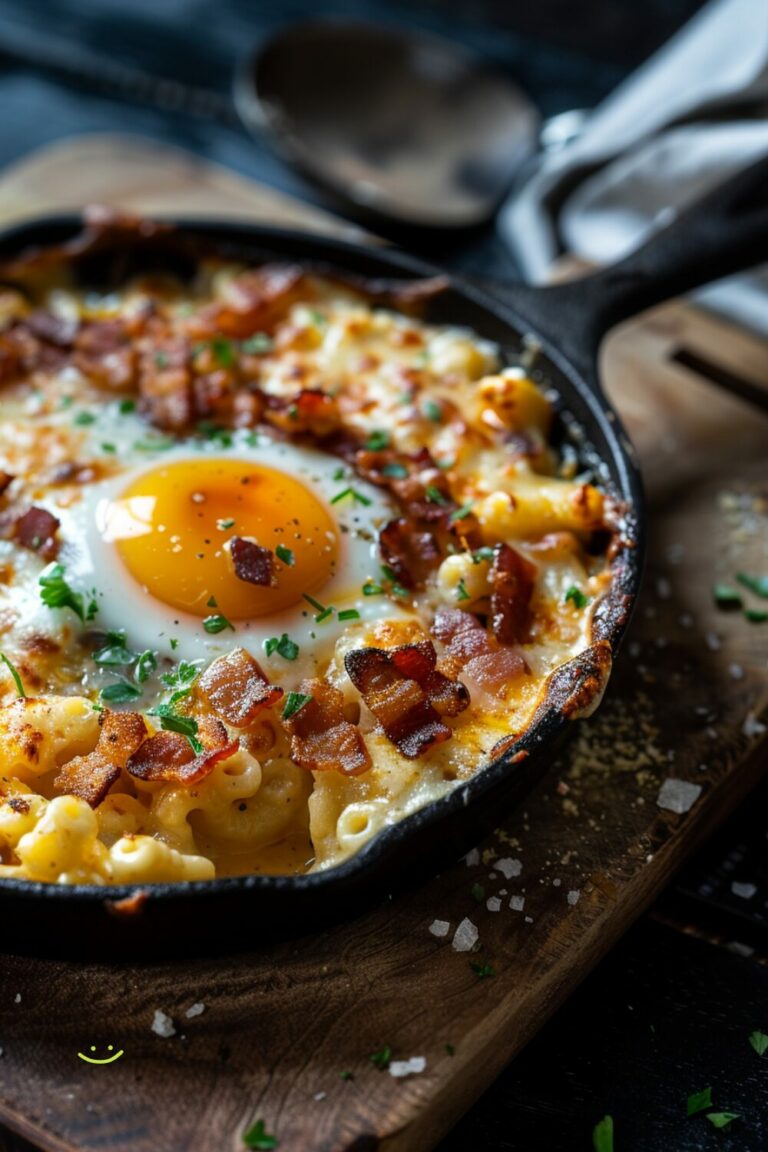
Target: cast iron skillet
point(726, 232)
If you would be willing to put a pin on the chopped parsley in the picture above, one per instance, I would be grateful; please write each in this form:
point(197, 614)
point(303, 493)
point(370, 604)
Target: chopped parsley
point(173, 721)
point(161, 359)
point(120, 692)
point(461, 513)
point(756, 584)
point(434, 495)
point(180, 679)
point(211, 602)
point(481, 554)
point(257, 344)
point(349, 614)
point(84, 418)
point(174, 643)
point(294, 702)
point(126, 406)
point(257, 1137)
point(146, 664)
point(396, 587)
point(722, 1119)
point(107, 446)
point(461, 591)
point(154, 444)
point(223, 525)
point(602, 1135)
point(16, 678)
point(317, 318)
point(217, 623)
point(283, 645)
point(726, 597)
point(57, 592)
point(340, 473)
point(450, 1049)
point(286, 555)
point(395, 470)
point(478, 893)
point(213, 431)
point(358, 497)
point(758, 1040)
point(322, 612)
point(378, 440)
point(755, 615)
point(381, 1059)
point(223, 351)
point(482, 971)
point(576, 597)
point(371, 589)
point(432, 411)
point(698, 1101)
point(346, 1075)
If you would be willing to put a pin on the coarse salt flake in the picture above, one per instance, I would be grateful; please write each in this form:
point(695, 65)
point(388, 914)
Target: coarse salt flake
point(412, 1067)
point(573, 896)
point(195, 1010)
point(472, 858)
point(745, 891)
point(465, 936)
point(508, 867)
point(752, 726)
point(493, 904)
point(678, 795)
point(162, 1025)
point(517, 903)
point(440, 927)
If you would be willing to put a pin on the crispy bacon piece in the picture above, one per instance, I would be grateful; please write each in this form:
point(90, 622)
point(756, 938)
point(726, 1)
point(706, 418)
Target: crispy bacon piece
point(310, 412)
point(36, 530)
point(512, 579)
point(169, 756)
point(6, 479)
point(10, 357)
point(237, 689)
point(255, 302)
point(411, 553)
point(322, 739)
point(252, 563)
point(91, 777)
point(52, 329)
point(406, 694)
point(104, 353)
point(484, 663)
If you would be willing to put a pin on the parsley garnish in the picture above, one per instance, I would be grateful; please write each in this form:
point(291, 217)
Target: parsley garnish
point(722, 1119)
point(755, 615)
point(698, 1101)
point(120, 692)
point(223, 525)
point(174, 643)
point(213, 431)
point(146, 664)
point(576, 596)
point(257, 1137)
point(16, 678)
point(85, 418)
point(396, 470)
point(294, 702)
point(346, 1075)
point(726, 597)
point(283, 645)
point(161, 359)
point(322, 612)
point(482, 971)
point(349, 614)
point(396, 587)
point(478, 893)
point(461, 591)
point(56, 592)
point(461, 513)
point(434, 495)
point(154, 444)
point(371, 589)
point(340, 473)
point(257, 344)
point(358, 497)
point(432, 411)
point(108, 447)
point(180, 679)
point(758, 1040)
point(223, 351)
point(484, 553)
point(286, 555)
point(126, 406)
point(602, 1135)
point(756, 584)
point(217, 623)
point(382, 1058)
point(317, 318)
point(173, 721)
point(378, 440)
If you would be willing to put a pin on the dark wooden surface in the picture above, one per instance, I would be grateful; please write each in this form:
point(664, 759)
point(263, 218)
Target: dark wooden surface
point(281, 1025)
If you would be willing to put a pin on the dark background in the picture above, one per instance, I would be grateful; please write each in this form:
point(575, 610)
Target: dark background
point(670, 1011)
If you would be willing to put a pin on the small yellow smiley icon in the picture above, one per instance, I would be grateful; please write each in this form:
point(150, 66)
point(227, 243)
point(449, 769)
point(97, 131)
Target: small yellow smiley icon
point(108, 1060)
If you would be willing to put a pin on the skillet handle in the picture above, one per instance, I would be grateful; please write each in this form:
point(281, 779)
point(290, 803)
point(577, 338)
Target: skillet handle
point(724, 232)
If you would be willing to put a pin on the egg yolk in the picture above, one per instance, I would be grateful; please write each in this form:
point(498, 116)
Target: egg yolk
point(172, 527)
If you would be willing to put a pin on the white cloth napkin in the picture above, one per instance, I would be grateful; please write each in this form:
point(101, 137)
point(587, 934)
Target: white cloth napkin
point(690, 117)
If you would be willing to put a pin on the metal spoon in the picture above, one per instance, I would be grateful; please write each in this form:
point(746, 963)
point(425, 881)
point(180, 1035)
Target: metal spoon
point(398, 124)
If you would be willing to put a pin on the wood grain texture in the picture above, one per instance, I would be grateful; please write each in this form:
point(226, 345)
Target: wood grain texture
point(282, 1024)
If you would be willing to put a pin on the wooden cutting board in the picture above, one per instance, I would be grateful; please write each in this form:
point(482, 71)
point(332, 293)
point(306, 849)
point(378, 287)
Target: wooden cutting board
point(286, 1033)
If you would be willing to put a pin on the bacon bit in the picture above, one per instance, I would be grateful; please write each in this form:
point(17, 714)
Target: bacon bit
point(481, 660)
point(252, 563)
point(256, 301)
point(129, 906)
point(310, 411)
point(103, 352)
point(169, 756)
point(6, 479)
point(406, 694)
point(36, 530)
point(10, 357)
point(322, 739)
point(512, 579)
point(237, 689)
point(91, 777)
point(411, 554)
point(52, 329)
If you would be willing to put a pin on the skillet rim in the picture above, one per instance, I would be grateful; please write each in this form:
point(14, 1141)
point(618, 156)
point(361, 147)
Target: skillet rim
point(549, 721)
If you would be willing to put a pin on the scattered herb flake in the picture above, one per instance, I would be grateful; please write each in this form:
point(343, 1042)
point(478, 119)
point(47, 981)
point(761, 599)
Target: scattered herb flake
point(283, 645)
point(461, 591)
point(722, 1119)
point(17, 679)
point(378, 440)
point(286, 555)
point(257, 344)
point(107, 446)
point(478, 893)
point(602, 1135)
point(294, 702)
point(432, 411)
point(381, 1059)
point(756, 584)
point(56, 592)
point(346, 1075)
point(217, 623)
point(84, 418)
point(758, 1040)
point(481, 554)
point(358, 497)
point(317, 317)
point(257, 1137)
point(146, 664)
point(726, 597)
point(371, 589)
point(173, 721)
point(126, 406)
point(461, 513)
point(223, 353)
point(755, 615)
point(120, 692)
point(223, 525)
point(396, 470)
point(482, 971)
point(161, 359)
point(154, 444)
point(450, 1049)
point(434, 495)
point(698, 1101)
point(576, 597)
point(349, 614)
